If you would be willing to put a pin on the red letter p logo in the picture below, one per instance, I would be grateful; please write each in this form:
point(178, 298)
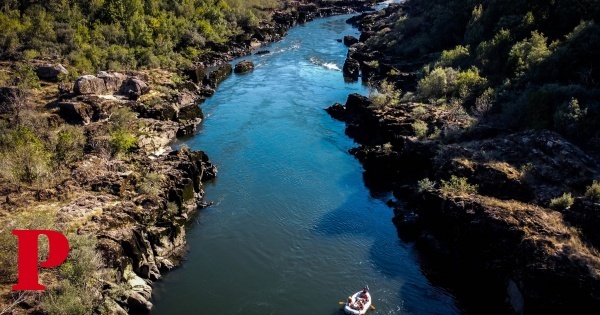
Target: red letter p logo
point(58, 250)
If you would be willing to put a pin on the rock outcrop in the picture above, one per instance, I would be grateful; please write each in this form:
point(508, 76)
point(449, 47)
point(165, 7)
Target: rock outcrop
point(50, 72)
point(145, 236)
point(244, 66)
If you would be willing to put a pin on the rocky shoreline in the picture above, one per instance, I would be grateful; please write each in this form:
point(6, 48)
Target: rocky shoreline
point(137, 206)
point(476, 199)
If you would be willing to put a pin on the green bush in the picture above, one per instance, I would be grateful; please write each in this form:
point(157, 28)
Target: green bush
point(122, 141)
point(77, 291)
point(563, 202)
point(69, 145)
point(40, 220)
point(457, 186)
point(593, 191)
point(420, 128)
point(26, 77)
point(425, 185)
point(24, 158)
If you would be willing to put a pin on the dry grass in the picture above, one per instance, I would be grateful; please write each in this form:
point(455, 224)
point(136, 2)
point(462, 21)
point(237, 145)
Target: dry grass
point(510, 171)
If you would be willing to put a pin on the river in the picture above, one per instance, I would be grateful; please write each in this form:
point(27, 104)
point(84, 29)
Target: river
point(293, 229)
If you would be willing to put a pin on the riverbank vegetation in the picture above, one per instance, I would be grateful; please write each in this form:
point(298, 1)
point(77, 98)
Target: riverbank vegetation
point(119, 34)
point(515, 64)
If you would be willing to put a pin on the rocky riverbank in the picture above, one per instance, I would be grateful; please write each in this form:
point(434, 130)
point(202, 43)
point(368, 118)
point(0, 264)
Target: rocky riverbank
point(482, 200)
point(125, 186)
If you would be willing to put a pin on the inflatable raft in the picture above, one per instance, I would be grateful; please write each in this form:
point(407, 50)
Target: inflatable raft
point(356, 305)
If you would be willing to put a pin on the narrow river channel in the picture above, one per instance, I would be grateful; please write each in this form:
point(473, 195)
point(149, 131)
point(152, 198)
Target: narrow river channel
point(293, 229)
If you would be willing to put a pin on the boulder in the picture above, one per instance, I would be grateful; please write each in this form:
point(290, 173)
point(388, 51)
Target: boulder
point(134, 88)
point(76, 112)
point(112, 80)
point(350, 40)
point(244, 66)
point(50, 72)
point(89, 84)
point(196, 73)
point(351, 69)
point(262, 52)
point(217, 76)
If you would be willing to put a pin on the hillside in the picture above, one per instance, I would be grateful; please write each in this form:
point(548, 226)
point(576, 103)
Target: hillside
point(483, 121)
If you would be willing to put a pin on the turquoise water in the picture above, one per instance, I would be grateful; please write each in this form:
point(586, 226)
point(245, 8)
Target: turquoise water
point(293, 229)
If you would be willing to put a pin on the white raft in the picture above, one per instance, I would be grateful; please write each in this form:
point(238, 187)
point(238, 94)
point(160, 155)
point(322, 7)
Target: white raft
point(353, 299)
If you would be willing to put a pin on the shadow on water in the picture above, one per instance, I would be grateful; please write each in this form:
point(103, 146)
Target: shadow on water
point(390, 257)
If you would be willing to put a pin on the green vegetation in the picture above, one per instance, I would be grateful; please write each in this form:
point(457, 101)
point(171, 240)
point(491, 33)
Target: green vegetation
point(76, 292)
point(515, 64)
point(457, 186)
point(561, 203)
point(593, 192)
point(385, 95)
point(124, 34)
point(425, 185)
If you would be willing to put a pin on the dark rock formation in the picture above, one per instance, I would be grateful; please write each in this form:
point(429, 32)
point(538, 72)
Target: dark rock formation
point(50, 72)
point(244, 66)
point(217, 76)
point(196, 73)
point(134, 88)
point(350, 40)
point(262, 52)
point(351, 69)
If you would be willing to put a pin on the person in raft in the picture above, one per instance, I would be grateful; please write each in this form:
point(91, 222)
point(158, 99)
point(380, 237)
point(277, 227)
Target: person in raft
point(363, 295)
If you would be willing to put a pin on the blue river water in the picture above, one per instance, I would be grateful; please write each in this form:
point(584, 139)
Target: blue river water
point(293, 229)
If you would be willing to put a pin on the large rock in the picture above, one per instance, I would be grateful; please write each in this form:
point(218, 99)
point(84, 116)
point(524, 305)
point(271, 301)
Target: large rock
point(217, 76)
point(89, 84)
point(350, 40)
point(50, 72)
point(134, 88)
point(196, 73)
point(112, 80)
point(244, 66)
point(351, 69)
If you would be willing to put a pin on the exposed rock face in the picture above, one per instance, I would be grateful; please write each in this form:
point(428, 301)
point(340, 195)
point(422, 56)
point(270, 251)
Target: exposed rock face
point(144, 236)
point(350, 40)
point(244, 66)
point(50, 72)
point(351, 69)
point(217, 76)
point(112, 80)
point(196, 73)
point(89, 84)
point(134, 88)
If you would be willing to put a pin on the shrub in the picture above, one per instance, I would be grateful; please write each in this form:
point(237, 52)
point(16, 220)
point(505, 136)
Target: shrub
point(39, 220)
point(420, 128)
point(122, 141)
point(458, 186)
point(69, 145)
point(26, 77)
point(386, 95)
point(450, 57)
point(76, 292)
point(593, 192)
point(151, 184)
point(25, 159)
point(425, 185)
point(529, 52)
point(563, 202)
point(568, 115)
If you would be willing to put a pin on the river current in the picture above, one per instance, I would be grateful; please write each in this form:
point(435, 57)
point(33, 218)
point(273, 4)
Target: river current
point(293, 229)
